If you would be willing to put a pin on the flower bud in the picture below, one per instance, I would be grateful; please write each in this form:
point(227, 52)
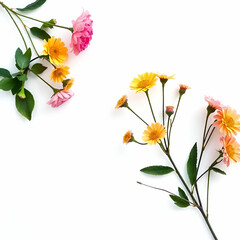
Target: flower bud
point(169, 110)
point(128, 137)
point(183, 89)
point(122, 102)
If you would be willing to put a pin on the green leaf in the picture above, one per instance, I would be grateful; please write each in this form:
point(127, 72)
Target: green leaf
point(192, 164)
point(182, 194)
point(5, 73)
point(23, 60)
point(37, 32)
point(7, 84)
point(25, 106)
point(38, 68)
point(218, 171)
point(157, 170)
point(179, 201)
point(32, 6)
point(16, 87)
point(49, 24)
point(22, 77)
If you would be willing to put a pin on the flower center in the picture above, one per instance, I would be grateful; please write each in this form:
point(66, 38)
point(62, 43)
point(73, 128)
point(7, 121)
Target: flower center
point(154, 135)
point(143, 84)
point(230, 151)
point(228, 122)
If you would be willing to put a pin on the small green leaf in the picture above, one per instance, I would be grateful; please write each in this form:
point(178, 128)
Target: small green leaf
point(37, 32)
point(179, 201)
point(5, 73)
point(49, 24)
point(182, 194)
point(25, 106)
point(32, 6)
point(22, 77)
point(38, 68)
point(192, 164)
point(157, 170)
point(218, 171)
point(23, 60)
point(7, 84)
point(16, 87)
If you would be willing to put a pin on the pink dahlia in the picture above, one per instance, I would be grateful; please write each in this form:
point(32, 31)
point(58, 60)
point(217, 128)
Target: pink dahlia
point(82, 33)
point(60, 97)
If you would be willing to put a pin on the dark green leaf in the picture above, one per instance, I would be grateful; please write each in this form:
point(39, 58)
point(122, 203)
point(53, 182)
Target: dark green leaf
point(32, 6)
point(38, 68)
point(157, 170)
point(192, 164)
point(49, 24)
point(218, 170)
point(179, 201)
point(16, 87)
point(182, 194)
point(23, 60)
point(22, 77)
point(7, 84)
point(25, 106)
point(5, 73)
point(37, 32)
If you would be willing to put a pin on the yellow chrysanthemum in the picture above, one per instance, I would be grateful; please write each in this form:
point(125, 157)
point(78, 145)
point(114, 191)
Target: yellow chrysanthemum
point(59, 73)
point(68, 84)
point(121, 102)
point(230, 150)
point(154, 133)
point(128, 137)
point(56, 50)
point(228, 121)
point(143, 82)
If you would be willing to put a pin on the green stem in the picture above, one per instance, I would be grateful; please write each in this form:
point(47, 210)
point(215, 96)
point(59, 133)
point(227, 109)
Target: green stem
point(150, 105)
point(15, 25)
point(171, 125)
point(163, 85)
point(208, 181)
point(136, 114)
point(54, 89)
point(139, 142)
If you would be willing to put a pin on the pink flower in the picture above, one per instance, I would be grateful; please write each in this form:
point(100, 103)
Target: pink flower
point(82, 33)
point(214, 103)
point(60, 97)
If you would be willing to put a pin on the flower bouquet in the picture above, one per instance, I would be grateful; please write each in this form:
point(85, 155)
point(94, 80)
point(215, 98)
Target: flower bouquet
point(54, 53)
point(218, 117)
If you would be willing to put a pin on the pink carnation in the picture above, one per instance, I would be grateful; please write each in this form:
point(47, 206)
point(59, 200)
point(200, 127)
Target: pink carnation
point(59, 98)
point(214, 103)
point(82, 33)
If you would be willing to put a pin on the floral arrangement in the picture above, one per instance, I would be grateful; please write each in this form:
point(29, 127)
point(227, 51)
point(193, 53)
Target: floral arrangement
point(54, 53)
point(220, 118)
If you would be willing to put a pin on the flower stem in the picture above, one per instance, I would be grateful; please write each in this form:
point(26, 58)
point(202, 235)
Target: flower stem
point(208, 181)
point(136, 114)
point(150, 106)
point(139, 142)
point(163, 85)
point(6, 8)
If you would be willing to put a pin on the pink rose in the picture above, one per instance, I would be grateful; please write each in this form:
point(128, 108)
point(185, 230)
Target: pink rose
point(60, 97)
point(82, 33)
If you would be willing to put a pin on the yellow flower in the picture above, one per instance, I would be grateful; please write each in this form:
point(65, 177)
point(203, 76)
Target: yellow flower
point(228, 121)
point(128, 137)
point(154, 133)
point(143, 82)
point(68, 84)
point(165, 78)
point(56, 50)
point(59, 73)
point(121, 102)
point(230, 150)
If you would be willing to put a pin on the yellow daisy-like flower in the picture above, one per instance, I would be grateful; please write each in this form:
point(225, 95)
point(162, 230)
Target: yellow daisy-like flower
point(143, 82)
point(128, 137)
point(56, 50)
point(230, 150)
point(154, 133)
point(121, 102)
point(165, 78)
point(59, 73)
point(68, 84)
point(228, 121)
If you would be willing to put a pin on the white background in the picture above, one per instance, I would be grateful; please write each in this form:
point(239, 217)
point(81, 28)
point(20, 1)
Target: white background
point(67, 175)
